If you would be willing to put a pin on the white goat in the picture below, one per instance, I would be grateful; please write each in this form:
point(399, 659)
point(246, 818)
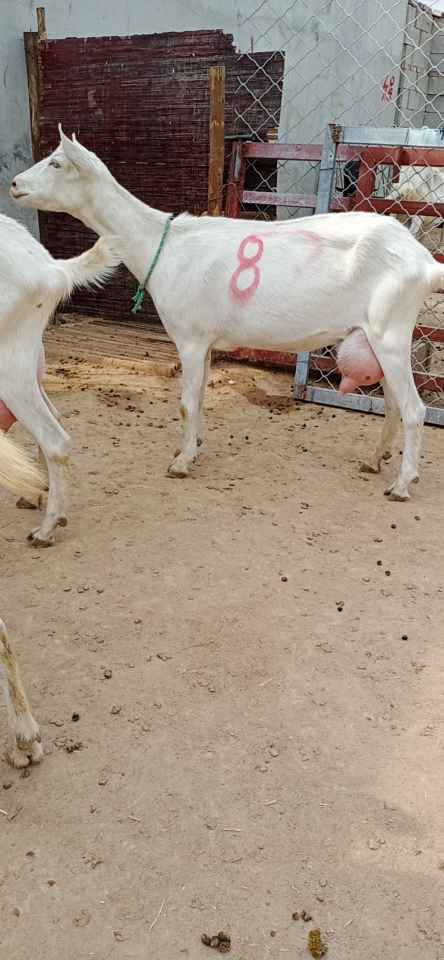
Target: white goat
point(31, 285)
point(24, 735)
point(420, 184)
point(224, 283)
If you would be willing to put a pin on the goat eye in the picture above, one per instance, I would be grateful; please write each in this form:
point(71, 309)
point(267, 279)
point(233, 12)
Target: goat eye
point(54, 163)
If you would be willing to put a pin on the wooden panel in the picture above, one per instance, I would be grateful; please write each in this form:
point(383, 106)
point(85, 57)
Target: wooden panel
point(216, 161)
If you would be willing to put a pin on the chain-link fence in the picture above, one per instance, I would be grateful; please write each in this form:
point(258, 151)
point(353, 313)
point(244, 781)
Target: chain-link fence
point(377, 66)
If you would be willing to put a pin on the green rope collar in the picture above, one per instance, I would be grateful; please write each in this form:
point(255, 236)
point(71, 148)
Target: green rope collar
point(139, 295)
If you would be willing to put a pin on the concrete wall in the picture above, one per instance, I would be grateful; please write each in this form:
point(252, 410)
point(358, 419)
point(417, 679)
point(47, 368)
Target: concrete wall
point(434, 112)
point(336, 65)
point(415, 69)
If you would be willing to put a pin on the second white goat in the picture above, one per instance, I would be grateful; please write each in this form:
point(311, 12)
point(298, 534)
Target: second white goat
point(32, 283)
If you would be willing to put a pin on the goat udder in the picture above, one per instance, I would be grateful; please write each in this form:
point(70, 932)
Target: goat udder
point(357, 362)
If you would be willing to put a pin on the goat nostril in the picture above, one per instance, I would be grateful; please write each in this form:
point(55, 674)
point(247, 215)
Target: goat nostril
point(14, 183)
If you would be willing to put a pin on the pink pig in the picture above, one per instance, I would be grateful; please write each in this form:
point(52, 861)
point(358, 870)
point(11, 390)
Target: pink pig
point(6, 417)
point(357, 362)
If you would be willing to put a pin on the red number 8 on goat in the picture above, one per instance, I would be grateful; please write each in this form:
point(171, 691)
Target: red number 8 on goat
point(246, 277)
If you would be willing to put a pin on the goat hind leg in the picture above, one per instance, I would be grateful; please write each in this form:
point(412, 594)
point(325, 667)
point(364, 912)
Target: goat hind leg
point(399, 377)
point(25, 746)
point(392, 421)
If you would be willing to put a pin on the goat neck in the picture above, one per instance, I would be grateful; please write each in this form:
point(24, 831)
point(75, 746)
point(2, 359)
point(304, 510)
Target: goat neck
point(114, 210)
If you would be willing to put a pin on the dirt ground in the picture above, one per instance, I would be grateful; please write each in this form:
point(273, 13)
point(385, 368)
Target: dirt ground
point(239, 682)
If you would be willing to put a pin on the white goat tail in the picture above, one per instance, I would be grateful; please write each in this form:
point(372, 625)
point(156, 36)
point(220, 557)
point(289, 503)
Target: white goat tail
point(436, 277)
point(94, 266)
point(18, 472)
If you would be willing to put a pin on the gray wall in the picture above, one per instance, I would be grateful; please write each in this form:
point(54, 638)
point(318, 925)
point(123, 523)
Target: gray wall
point(421, 91)
point(324, 53)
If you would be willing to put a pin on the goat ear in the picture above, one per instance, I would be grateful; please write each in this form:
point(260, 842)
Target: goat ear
point(80, 157)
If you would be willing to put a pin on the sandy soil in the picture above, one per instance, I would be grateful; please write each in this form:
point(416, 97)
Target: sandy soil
point(255, 657)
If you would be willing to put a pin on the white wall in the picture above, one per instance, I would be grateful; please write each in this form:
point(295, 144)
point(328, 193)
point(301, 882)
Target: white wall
point(325, 55)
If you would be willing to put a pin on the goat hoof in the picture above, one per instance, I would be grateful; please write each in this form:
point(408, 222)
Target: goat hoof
point(17, 758)
point(36, 752)
point(393, 494)
point(22, 756)
point(179, 467)
point(28, 748)
point(199, 441)
point(38, 540)
point(62, 522)
point(369, 468)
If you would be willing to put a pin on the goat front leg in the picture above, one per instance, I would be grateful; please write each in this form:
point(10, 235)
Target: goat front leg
point(392, 421)
point(194, 361)
point(25, 746)
point(28, 405)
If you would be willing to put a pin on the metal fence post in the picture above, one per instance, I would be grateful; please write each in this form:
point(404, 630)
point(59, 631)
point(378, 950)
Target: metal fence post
point(325, 190)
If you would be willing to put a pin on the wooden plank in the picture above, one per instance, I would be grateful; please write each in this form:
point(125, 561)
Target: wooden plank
point(31, 41)
point(310, 152)
point(236, 179)
point(282, 151)
point(216, 76)
point(304, 200)
point(273, 357)
point(41, 23)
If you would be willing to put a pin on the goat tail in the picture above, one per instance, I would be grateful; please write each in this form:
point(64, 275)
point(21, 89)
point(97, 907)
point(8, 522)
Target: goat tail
point(94, 266)
point(436, 277)
point(18, 472)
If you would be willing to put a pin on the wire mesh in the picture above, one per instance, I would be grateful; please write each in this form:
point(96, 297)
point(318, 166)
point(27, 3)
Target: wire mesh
point(351, 62)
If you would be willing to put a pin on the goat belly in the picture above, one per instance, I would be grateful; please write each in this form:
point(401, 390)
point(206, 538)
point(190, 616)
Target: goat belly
point(357, 362)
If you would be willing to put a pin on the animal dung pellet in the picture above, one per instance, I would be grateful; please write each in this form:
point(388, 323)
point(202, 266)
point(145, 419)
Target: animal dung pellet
point(316, 945)
point(220, 941)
